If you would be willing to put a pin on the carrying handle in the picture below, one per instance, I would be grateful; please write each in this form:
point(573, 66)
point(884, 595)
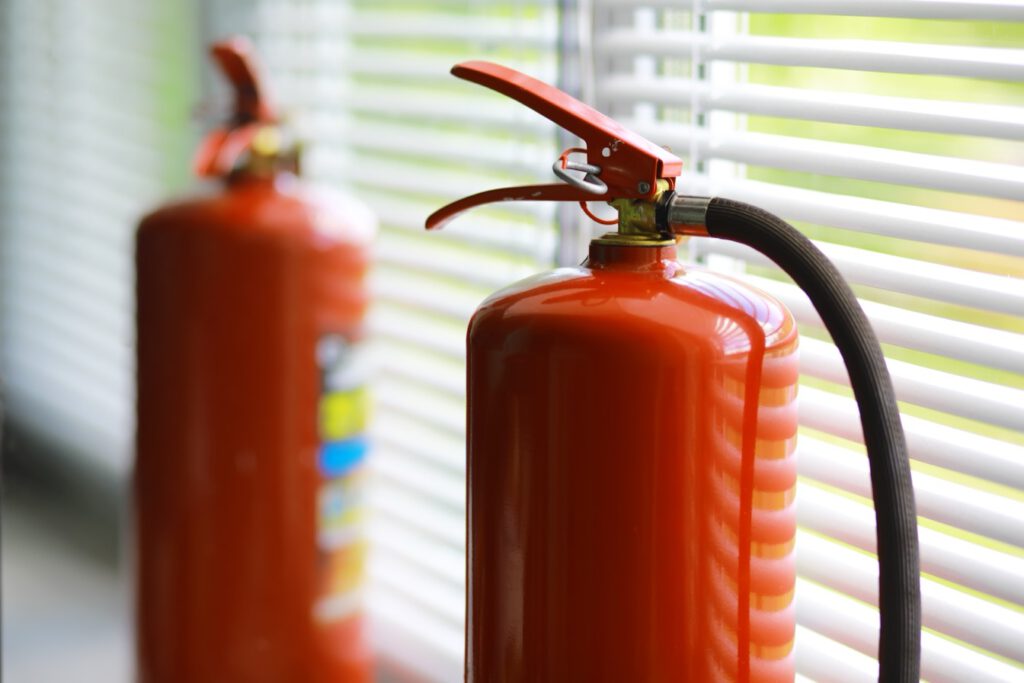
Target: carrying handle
point(630, 166)
point(221, 148)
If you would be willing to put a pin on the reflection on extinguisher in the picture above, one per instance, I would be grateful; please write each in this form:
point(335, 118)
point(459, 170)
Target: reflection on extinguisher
point(753, 421)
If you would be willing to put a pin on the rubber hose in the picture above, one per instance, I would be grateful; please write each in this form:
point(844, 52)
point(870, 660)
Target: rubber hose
point(899, 584)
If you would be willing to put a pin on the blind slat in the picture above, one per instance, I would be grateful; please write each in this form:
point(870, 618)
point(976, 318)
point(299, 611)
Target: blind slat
point(416, 68)
point(410, 632)
point(446, 566)
point(942, 555)
point(413, 399)
point(492, 273)
point(425, 294)
point(393, 323)
point(822, 659)
point(974, 399)
point(930, 442)
point(476, 112)
point(843, 620)
point(960, 286)
point(946, 610)
point(857, 109)
point(875, 164)
point(904, 221)
point(932, 334)
point(417, 587)
point(518, 239)
point(450, 28)
point(407, 466)
point(977, 10)
point(960, 506)
point(369, 171)
point(440, 448)
point(506, 157)
point(417, 512)
point(860, 55)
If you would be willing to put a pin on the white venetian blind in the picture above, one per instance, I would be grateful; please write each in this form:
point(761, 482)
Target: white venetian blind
point(369, 85)
point(419, 138)
point(93, 132)
point(893, 134)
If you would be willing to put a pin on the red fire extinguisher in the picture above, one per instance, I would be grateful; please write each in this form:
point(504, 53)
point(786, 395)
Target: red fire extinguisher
point(251, 414)
point(631, 434)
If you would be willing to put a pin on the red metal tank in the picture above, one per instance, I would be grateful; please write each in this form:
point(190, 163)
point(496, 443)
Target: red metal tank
point(611, 408)
point(251, 415)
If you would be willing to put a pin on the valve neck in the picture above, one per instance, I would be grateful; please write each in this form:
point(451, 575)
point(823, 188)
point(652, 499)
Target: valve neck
point(247, 177)
point(632, 257)
point(620, 239)
point(272, 152)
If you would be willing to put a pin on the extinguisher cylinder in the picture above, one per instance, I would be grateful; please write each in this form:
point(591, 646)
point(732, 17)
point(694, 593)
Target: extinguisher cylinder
point(632, 428)
point(251, 447)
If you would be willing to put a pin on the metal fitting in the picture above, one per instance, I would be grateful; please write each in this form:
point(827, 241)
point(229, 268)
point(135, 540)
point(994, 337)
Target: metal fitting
point(637, 223)
point(683, 214)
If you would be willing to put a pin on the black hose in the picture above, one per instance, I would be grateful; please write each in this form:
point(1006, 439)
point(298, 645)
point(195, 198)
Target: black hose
point(899, 586)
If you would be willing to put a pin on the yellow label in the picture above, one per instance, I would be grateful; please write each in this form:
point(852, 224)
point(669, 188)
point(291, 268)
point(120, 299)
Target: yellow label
point(343, 414)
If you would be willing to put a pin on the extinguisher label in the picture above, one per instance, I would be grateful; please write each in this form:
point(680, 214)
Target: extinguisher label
point(342, 416)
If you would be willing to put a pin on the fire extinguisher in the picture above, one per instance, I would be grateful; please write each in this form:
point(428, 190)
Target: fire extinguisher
point(631, 434)
point(252, 404)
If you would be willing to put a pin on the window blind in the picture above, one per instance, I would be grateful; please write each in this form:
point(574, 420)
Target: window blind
point(893, 137)
point(368, 85)
point(417, 139)
point(420, 138)
point(94, 128)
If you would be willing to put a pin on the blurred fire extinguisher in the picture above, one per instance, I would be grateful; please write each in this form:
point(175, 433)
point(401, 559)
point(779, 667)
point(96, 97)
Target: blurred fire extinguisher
point(632, 425)
point(251, 413)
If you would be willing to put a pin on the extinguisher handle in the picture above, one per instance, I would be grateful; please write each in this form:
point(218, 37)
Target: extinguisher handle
point(222, 147)
point(554, 192)
point(627, 164)
point(237, 59)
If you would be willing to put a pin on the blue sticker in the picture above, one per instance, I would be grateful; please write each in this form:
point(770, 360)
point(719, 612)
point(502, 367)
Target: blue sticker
point(340, 457)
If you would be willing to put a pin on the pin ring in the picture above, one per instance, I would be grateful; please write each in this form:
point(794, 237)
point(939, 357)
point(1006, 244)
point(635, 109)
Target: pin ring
point(588, 183)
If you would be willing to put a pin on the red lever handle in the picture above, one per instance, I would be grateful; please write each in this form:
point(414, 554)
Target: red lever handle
point(221, 148)
point(631, 165)
point(237, 59)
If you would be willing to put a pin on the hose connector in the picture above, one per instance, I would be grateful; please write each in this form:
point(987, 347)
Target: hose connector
point(680, 214)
